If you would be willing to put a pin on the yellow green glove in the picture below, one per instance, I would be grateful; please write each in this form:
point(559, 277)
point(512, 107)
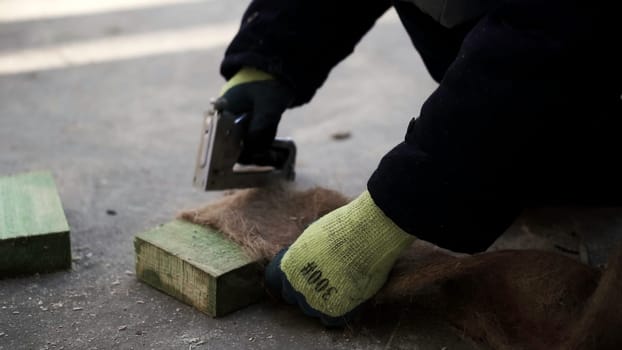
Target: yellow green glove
point(339, 261)
point(245, 75)
point(258, 95)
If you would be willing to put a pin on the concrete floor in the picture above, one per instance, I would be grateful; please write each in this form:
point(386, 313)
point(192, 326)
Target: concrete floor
point(120, 135)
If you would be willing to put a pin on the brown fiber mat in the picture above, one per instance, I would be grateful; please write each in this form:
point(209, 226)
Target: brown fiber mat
point(512, 299)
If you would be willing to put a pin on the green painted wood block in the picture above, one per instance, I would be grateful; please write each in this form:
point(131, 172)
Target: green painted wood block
point(34, 234)
point(198, 266)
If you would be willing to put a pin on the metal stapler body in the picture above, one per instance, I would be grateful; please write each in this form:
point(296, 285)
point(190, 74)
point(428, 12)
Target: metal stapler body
point(220, 147)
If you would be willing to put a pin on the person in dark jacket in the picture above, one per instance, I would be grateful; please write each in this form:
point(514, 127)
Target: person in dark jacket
point(527, 112)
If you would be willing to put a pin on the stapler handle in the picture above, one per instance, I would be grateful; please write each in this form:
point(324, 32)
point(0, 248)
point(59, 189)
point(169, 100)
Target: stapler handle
point(287, 147)
point(277, 156)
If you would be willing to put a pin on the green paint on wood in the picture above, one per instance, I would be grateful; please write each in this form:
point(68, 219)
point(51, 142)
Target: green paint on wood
point(198, 266)
point(34, 234)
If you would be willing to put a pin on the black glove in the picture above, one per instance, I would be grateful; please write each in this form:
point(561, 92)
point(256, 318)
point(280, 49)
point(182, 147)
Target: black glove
point(263, 101)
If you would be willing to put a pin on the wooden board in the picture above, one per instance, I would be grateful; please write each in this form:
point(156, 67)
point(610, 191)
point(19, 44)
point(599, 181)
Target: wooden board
point(34, 234)
point(198, 266)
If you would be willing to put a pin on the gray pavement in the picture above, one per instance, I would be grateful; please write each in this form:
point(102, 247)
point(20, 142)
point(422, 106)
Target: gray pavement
point(121, 135)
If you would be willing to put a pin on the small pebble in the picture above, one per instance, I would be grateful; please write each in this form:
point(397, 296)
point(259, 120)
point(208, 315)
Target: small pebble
point(77, 308)
point(122, 328)
point(128, 272)
point(139, 302)
point(111, 212)
point(341, 135)
point(15, 312)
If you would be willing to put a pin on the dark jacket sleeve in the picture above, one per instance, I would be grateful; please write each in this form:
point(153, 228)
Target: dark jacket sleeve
point(530, 83)
point(300, 41)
